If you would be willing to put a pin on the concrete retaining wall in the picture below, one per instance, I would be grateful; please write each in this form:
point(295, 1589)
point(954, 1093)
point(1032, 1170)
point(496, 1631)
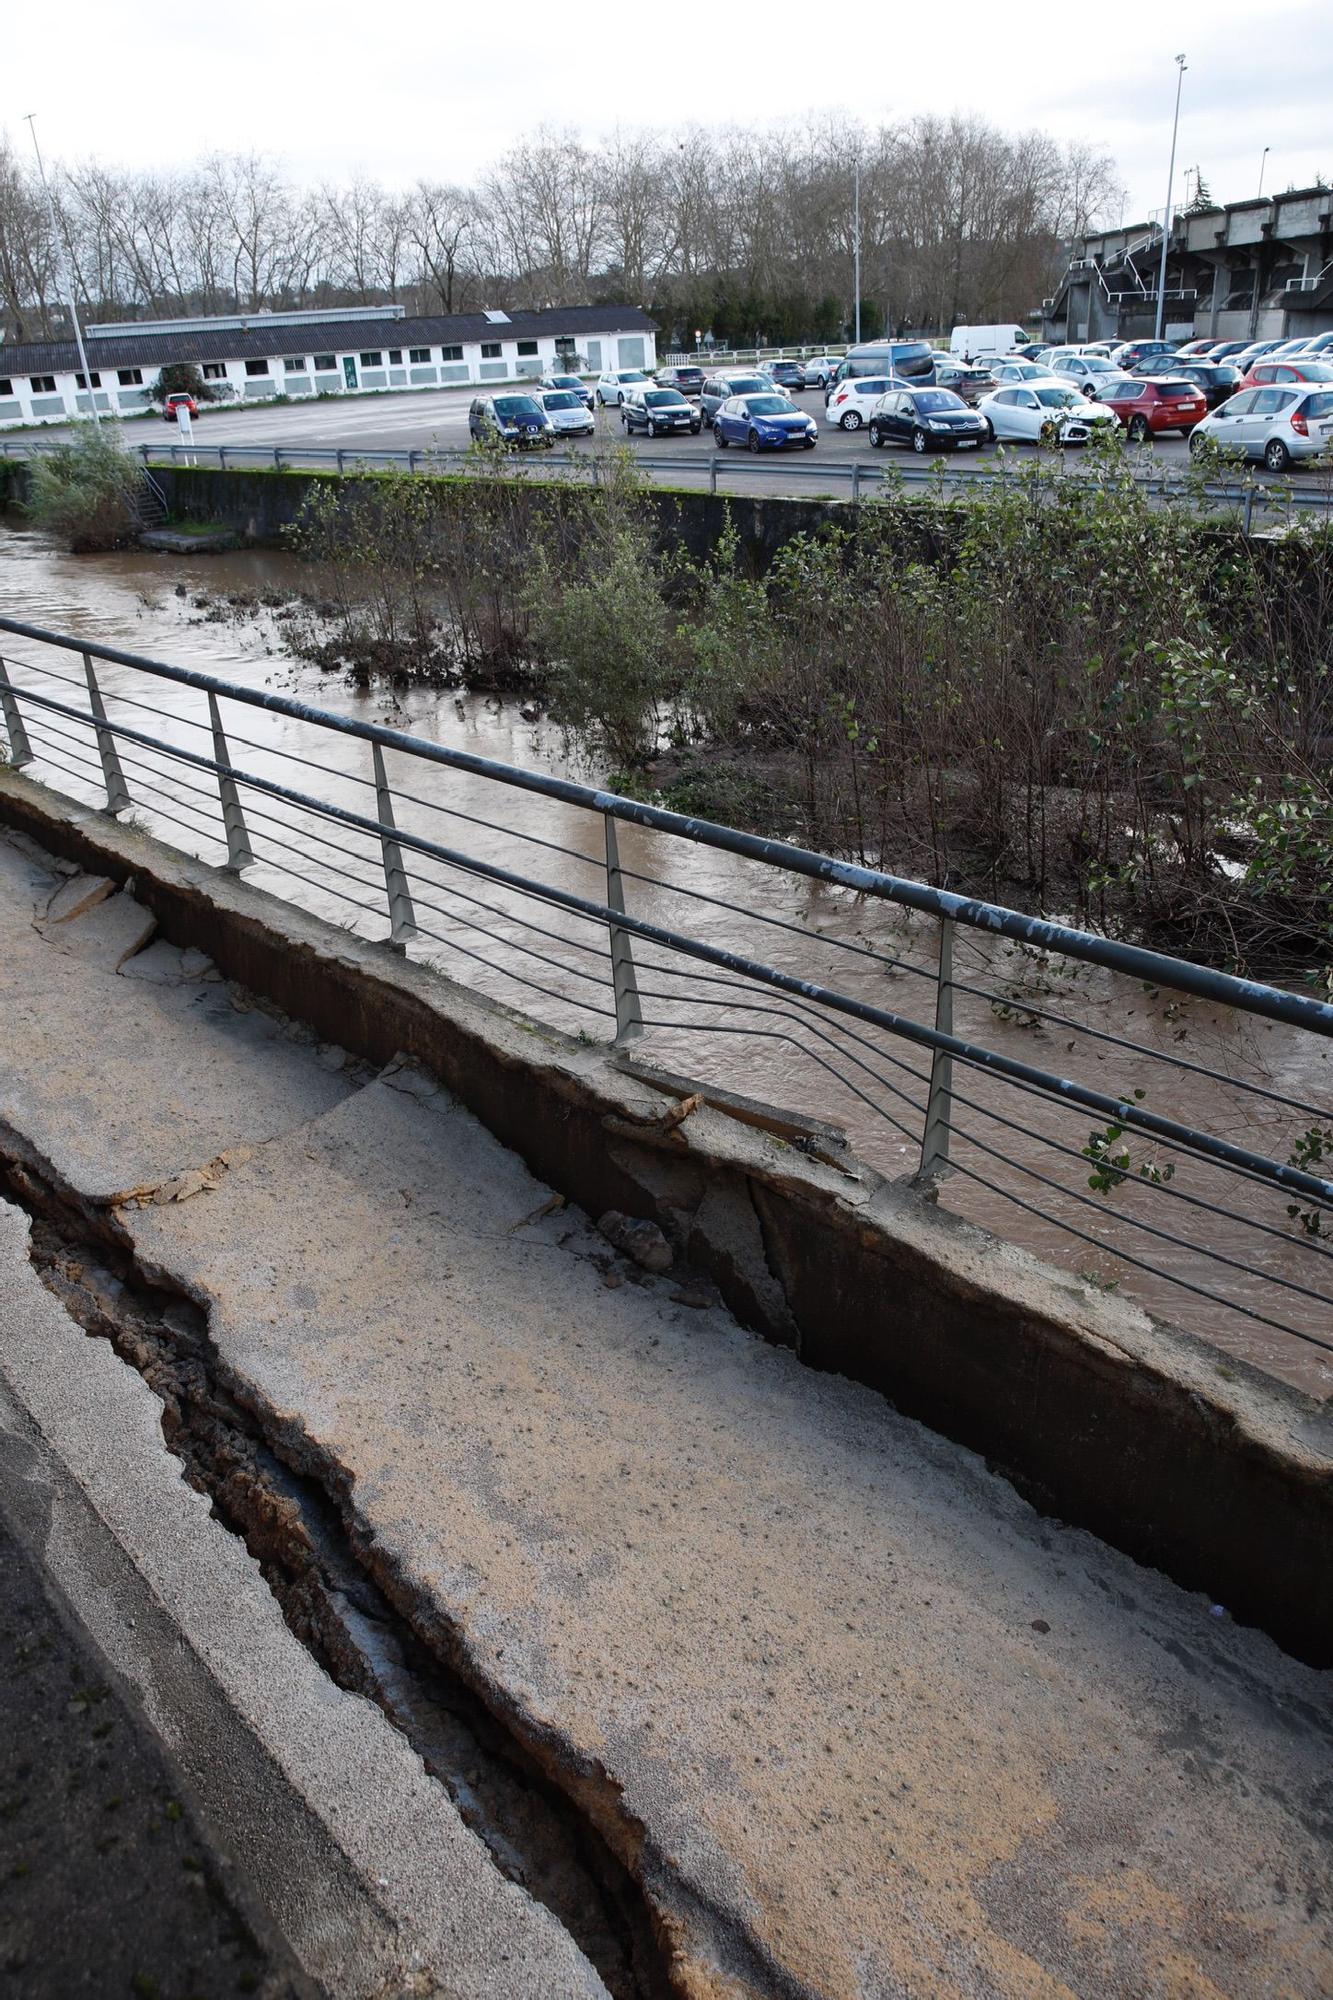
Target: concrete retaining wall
point(1182, 1457)
point(263, 504)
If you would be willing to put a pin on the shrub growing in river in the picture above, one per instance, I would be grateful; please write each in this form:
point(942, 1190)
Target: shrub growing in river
point(86, 490)
point(1057, 693)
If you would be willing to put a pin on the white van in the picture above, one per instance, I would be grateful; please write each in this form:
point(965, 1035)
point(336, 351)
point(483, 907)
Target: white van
point(986, 343)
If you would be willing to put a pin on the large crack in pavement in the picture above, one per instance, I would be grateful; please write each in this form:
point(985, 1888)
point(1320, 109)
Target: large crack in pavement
point(293, 1528)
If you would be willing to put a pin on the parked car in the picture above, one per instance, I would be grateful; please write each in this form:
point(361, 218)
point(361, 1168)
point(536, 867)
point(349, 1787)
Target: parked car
point(1278, 425)
point(784, 374)
point(613, 382)
point(1320, 343)
point(731, 382)
point(926, 420)
point(1216, 379)
point(1257, 350)
point(574, 383)
point(769, 422)
point(1043, 413)
point(659, 411)
point(1197, 347)
point(179, 399)
point(969, 379)
point(1131, 351)
point(818, 370)
point(852, 401)
point(1149, 406)
point(1296, 368)
point(1226, 349)
point(570, 415)
point(1085, 371)
point(1015, 369)
point(688, 380)
point(518, 421)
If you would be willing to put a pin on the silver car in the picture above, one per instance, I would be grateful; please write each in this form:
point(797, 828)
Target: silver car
point(569, 414)
point(1278, 425)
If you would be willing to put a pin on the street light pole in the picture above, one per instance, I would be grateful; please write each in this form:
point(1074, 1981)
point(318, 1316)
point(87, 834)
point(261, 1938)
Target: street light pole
point(856, 246)
point(1170, 186)
point(68, 264)
point(1263, 162)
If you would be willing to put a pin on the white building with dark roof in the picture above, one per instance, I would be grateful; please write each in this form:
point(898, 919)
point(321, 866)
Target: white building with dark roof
point(249, 357)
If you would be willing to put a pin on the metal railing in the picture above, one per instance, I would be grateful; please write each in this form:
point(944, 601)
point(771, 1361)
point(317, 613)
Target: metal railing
point(1245, 493)
point(1186, 1166)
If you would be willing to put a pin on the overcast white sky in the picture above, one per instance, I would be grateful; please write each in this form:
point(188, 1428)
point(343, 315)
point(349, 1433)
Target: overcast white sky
point(440, 90)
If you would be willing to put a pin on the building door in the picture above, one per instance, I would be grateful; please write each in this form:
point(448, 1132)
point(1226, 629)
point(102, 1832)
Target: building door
point(349, 371)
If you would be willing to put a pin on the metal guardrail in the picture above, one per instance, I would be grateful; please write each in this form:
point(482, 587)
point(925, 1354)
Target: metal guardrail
point(588, 941)
point(1246, 494)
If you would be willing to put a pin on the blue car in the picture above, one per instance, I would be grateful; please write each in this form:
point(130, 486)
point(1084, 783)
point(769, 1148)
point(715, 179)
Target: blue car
point(763, 423)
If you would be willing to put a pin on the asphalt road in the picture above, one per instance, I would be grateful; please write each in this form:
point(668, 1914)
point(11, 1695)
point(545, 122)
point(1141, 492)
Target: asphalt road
point(437, 419)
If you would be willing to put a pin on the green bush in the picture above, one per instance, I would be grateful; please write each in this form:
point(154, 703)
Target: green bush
point(87, 490)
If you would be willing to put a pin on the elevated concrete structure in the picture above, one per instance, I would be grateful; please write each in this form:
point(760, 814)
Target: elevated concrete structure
point(1255, 270)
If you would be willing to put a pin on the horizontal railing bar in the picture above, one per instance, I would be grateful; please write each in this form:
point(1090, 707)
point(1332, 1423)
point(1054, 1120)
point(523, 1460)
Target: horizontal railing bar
point(1225, 989)
point(857, 472)
point(1122, 1112)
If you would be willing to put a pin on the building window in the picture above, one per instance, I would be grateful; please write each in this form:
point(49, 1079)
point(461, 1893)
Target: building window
point(326, 361)
point(418, 354)
point(256, 367)
point(43, 385)
point(527, 347)
point(451, 354)
point(81, 384)
point(215, 371)
point(372, 360)
point(127, 377)
point(6, 386)
point(490, 350)
point(395, 357)
point(295, 364)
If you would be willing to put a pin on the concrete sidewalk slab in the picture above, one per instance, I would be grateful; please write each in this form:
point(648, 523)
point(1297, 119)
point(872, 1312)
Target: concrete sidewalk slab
point(314, 1809)
point(871, 1724)
point(224, 1072)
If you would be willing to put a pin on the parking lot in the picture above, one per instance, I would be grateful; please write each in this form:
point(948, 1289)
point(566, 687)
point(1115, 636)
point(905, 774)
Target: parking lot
point(420, 421)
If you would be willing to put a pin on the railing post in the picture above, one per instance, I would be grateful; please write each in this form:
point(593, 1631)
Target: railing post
point(935, 1138)
point(856, 480)
point(20, 750)
point(1249, 511)
point(402, 917)
point(411, 461)
point(712, 473)
point(117, 791)
point(240, 854)
point(340, 461)
point(629, 1015)
point(222, 458)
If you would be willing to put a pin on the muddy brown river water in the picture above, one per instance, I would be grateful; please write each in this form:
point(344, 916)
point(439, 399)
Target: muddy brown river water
point(1011, 1175)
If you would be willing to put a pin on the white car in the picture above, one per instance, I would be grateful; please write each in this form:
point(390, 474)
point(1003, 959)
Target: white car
point(856, 396)
point(1044, 413)
point(1085, 371)
point(613, 382)
point(1015, 369)
point(569, 414)
point(1277, 424)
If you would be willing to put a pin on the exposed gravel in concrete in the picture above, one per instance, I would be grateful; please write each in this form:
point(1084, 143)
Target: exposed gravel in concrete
point(867, 1725)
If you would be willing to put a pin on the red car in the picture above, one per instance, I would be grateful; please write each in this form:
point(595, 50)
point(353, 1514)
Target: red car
point(1300, 368)
point(1162, 404)
point(179, 399)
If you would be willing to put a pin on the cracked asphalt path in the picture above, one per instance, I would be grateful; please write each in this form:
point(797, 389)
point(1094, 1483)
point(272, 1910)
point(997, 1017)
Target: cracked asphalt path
point(863, 1723)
